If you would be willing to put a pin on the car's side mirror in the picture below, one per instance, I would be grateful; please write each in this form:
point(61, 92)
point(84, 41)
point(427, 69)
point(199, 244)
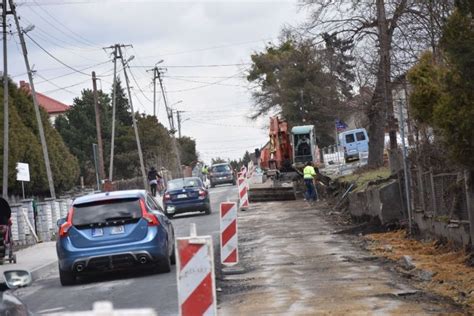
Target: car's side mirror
point(61, 221)
point(17, 278)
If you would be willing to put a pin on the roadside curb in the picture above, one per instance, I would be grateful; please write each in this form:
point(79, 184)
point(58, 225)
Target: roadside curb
point(37, 273)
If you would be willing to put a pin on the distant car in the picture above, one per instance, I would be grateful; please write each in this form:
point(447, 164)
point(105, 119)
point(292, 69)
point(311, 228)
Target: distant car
point(354, 142)
point(114, 231)
point(186, 195)
point(221, 173)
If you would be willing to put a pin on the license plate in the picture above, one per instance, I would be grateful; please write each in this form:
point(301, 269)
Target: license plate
point(97, 232)
point(117, 230)
point(182, 196)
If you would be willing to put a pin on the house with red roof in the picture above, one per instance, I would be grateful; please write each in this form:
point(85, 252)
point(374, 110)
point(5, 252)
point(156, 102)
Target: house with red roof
point(53, 107)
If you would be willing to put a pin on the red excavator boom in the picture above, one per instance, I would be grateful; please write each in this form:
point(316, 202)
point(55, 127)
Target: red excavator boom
point(278, 151)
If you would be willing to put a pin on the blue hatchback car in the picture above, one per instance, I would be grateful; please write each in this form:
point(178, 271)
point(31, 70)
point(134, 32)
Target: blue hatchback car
point(114, 231)
point(186, 195)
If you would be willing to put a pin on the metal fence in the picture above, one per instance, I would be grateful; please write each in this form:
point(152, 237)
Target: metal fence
point(442, 195)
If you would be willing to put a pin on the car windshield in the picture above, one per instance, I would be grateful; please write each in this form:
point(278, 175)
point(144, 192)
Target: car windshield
point(221, 168)
point(103, 211)
point(177, 184)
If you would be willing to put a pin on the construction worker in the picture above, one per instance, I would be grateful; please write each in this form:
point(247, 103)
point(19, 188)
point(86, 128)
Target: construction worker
point(309, 174)
point(205, 172)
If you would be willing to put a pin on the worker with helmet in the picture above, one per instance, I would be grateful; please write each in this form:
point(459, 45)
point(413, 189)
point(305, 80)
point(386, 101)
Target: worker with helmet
point(309, 175)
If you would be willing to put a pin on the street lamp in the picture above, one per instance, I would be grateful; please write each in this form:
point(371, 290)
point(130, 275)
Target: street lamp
point(180, 101)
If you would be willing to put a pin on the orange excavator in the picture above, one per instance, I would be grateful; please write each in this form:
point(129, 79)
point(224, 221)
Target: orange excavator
point(282, 159)
point(277, 155)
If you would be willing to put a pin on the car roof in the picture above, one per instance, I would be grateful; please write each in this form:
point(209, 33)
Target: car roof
point(221, 164)
point(103, 196)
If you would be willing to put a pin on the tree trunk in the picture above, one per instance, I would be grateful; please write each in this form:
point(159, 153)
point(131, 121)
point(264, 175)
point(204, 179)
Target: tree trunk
point(377, 118)
point(381, 109)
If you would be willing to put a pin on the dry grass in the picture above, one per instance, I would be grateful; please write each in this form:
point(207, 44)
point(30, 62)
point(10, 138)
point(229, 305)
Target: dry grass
point(361, 179)
point(452, 277)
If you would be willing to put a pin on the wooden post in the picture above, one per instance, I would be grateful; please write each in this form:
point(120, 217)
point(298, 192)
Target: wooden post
point(421, 187)
point(433, 195)
point(468, 184)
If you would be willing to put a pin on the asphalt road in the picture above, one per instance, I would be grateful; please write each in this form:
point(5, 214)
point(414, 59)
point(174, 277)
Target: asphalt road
point(126, 290)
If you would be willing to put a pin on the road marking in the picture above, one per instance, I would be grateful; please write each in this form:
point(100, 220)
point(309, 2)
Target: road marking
point(50, 310)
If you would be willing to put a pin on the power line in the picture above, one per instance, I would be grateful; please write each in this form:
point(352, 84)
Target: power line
point(47, 36)
point(55, 58)
point(210, 48)
point(71, 73)
point(224, 125)
point(138, 86)
point(205, 82)
point(65, 88)
point(78, 36)
point(208, 84)
point(61, 88)
point(198, 66)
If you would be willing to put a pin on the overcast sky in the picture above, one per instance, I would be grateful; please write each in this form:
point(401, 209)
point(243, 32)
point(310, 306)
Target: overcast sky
point(217, 35)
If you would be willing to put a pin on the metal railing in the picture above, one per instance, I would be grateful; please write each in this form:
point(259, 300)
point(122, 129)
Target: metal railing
point(442, 195)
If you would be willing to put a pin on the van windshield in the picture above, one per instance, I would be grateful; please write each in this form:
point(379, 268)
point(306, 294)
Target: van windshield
point(104, 211)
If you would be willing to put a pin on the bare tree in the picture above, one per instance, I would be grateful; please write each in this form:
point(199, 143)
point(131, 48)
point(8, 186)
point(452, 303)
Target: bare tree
point(398, 30)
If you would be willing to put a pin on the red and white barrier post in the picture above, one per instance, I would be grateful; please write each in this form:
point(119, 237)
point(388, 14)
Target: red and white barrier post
point(195, 273)
point(243, 192)
point(229, 233)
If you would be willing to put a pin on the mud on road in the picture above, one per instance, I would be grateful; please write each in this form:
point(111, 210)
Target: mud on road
point(292, 263)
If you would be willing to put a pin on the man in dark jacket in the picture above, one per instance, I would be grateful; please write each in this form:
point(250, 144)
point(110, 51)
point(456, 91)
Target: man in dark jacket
point(153, 180)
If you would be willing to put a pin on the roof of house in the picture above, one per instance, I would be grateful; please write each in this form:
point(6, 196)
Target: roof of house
point(50, 105)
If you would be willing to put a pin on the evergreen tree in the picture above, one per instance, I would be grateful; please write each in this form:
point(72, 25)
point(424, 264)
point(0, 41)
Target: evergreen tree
point(78, 130)
point(25, 146)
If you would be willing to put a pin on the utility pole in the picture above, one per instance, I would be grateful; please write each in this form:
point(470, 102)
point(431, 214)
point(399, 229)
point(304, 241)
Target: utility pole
point(154, 94)
point(169, 112)
point(5, 102)
point(44, 146)
point(178, 118)
point(100, 149)
point(117, 55)
point(140, 153)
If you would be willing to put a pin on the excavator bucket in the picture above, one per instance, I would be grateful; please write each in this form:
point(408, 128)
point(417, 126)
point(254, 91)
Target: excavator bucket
point(271, 191)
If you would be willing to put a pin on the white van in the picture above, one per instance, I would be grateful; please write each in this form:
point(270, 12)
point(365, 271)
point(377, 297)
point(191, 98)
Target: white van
point(354, 142)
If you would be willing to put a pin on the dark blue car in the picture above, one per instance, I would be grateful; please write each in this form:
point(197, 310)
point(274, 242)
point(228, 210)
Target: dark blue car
point(114, 231)
point(186, 195)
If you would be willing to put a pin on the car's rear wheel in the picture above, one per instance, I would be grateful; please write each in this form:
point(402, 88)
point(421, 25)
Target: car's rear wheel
point(173, 257)
point(164, 265)
point(213, 185)
point(208, 211)
point(66, 278)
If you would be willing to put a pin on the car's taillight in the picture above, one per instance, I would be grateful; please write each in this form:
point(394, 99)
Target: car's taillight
point(64, 229)
point(202, 194)
point(150, 218)
point(166, 197)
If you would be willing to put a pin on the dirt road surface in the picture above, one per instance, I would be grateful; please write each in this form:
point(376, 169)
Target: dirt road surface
point(292, 263)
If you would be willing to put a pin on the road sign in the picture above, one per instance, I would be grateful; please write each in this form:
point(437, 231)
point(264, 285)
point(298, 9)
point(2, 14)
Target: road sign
point(196, 278)
point(22, 172)
point(229, 235)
